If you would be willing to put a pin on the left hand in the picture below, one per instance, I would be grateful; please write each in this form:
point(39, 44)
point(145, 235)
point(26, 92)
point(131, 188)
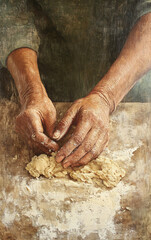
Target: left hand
point(36, 123)
point(91, 133)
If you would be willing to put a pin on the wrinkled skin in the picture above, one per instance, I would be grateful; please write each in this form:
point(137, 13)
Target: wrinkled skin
point(36, 123)
point(37, 117)
point(91, 133)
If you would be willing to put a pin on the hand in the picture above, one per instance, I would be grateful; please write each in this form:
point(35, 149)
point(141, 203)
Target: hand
point(91, 133)
point(38, 115)
point(36, 123)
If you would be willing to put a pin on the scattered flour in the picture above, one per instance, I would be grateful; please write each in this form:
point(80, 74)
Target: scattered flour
point(57, 206)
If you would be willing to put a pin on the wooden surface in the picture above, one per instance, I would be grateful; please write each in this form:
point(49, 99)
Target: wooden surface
point(63, 209)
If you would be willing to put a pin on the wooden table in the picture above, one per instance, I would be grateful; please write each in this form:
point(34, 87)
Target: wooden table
point(42, 209)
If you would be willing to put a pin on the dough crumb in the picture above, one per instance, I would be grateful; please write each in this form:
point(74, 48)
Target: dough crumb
point(98, 171)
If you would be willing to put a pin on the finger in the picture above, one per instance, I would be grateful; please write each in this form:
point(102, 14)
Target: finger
point(44, 141)
point(85, 147)
point(30, 127)
point(37, 135)
point(94, 153)
point(39, 149)
point(28, 124)
point(39, 142)
point(77, 138)
point(65, 123)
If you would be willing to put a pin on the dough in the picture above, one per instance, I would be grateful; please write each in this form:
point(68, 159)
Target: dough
point(98, 171)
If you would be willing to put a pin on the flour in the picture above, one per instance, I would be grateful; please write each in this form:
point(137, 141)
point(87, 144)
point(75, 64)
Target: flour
point(65, 210)
point(123, 155)
point(8, 217)
point(61, 209)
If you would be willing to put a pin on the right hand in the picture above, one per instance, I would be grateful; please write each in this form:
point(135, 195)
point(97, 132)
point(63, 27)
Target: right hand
point(36, 123)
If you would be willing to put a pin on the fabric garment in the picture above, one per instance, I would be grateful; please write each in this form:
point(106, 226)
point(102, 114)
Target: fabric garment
point(76, 41)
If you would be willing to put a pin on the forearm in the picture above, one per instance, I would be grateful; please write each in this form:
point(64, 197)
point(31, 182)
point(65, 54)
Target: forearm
point(22, 64)
point(133, 62)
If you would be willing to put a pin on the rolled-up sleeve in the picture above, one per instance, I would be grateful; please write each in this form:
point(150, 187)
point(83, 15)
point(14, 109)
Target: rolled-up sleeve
point(17, 28)
point(143, 7)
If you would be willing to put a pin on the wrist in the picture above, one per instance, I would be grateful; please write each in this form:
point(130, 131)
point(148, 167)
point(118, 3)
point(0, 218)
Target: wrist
point(22, 64)
point(103, 94)
point(32, 93)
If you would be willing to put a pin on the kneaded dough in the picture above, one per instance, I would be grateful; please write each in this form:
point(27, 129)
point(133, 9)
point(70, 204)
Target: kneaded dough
point(98, 171)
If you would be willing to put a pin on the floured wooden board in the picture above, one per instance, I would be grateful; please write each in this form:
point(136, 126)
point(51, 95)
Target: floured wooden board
point(42, 209)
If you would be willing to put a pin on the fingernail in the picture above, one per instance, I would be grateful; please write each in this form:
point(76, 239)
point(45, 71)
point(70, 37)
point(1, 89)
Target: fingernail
point(65, 161)
point(56, 134)
point(33, 136)
point(60, 158)
point(66, 164)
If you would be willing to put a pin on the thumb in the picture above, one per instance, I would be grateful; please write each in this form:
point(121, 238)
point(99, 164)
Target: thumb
point(64, 125)
point(39, 137)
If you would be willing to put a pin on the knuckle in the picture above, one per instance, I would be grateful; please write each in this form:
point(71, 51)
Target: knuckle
point(63, 123)
point(55, 147)
point(35, 137)
point(83, 162)
point(92, 116)
point(101, 124)
point(87, 146)
point(78, 139)
point(63, 151)
point(78, 101)
point(95, 152)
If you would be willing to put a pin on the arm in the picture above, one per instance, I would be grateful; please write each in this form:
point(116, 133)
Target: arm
point(18, 36)
point(92, 112)
point(133, 62)
point(38, 115)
